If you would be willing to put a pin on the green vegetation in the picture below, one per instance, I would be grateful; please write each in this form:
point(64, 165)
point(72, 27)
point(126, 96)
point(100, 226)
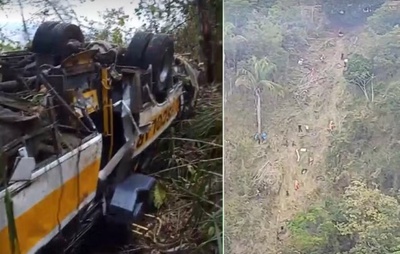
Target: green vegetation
point(193, 180)
point(384, 19)
point(193, 149)
point(363, 222)
point(348, 201)
point(259, 75)
point(313, 230)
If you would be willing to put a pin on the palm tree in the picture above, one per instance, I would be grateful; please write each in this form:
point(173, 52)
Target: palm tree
point(260, 75)
point(256, 79)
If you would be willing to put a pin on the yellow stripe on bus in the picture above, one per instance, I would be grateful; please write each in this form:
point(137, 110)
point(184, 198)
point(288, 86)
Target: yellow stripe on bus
point(43, 217)
point(158, 122)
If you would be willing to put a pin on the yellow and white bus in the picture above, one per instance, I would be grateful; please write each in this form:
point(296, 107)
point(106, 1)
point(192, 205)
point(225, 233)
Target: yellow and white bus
point(98, 114)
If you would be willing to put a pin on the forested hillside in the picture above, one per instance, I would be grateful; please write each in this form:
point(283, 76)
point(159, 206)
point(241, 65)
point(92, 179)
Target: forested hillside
point(325, 180)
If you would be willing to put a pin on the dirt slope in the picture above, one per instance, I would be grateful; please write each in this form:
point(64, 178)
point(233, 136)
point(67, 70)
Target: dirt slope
point(318, 101)
point(321, 93)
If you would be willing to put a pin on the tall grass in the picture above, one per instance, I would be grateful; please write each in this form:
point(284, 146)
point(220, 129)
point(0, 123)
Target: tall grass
point(189, 190)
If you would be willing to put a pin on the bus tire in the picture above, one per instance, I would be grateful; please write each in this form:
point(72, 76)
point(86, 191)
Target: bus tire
point(134, 55)
point(160, 54)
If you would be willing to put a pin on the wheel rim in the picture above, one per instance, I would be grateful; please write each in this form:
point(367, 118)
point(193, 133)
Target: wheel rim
point(165, 68)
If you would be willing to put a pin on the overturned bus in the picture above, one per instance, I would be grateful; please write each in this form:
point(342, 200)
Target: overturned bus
point(75, 119)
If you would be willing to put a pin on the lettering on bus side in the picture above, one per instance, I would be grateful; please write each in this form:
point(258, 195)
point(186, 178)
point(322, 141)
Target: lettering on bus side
point(158, 123)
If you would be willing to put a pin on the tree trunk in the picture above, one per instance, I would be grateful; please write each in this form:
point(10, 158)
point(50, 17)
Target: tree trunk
point(258, 108)
point(372, 91)
point(211, 44)
point(206, 37)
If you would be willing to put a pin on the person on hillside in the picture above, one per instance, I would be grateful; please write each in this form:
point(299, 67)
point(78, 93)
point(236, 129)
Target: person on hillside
point(263, 137)
point(300, 62)
point(367, 10)
point(322, 58)
point(296, 185)
point(331, 126)
point(345, 62)
point(257, 137)
point(342, 57)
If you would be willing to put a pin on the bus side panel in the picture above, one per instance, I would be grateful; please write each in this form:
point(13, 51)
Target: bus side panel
point(53, 198)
